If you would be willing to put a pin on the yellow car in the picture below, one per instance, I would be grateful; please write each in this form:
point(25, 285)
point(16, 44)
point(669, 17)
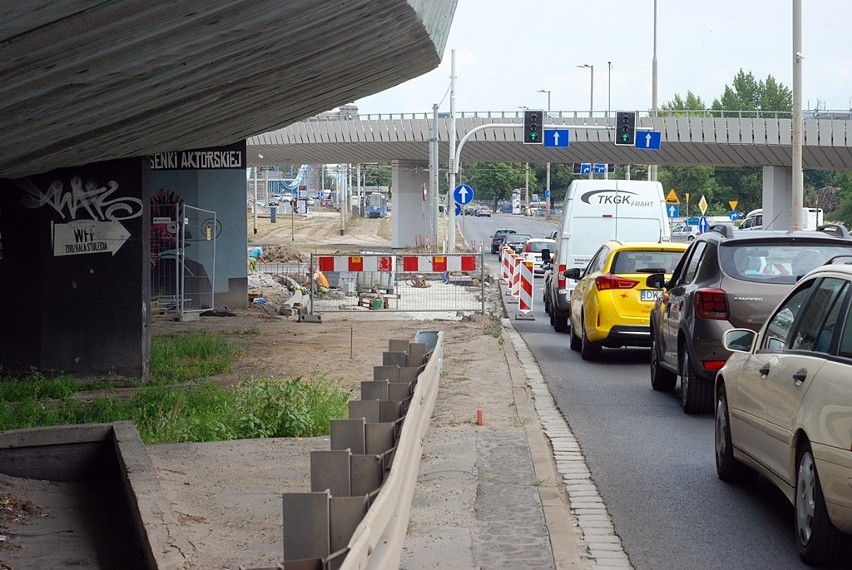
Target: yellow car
point(611, 305)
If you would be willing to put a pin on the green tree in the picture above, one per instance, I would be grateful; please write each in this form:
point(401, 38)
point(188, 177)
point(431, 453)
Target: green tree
point(678, 104)
point(843, 213)
point(747, 94)
point(494, 181)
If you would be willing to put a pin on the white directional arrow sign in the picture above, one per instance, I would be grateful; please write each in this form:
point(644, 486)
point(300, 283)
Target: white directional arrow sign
point(463, 194)
point(88, 236)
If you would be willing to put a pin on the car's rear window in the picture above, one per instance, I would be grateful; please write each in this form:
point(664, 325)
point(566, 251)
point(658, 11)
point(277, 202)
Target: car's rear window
point(637, 261)
point(777, 262)
point(537, 246)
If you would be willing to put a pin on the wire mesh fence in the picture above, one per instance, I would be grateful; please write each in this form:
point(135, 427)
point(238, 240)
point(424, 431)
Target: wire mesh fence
point(387, 282)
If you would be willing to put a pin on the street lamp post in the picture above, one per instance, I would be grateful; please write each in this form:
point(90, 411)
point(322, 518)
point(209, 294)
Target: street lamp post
point(591, 68)
point(608, 103)
point(652, 168)
point(547, 180)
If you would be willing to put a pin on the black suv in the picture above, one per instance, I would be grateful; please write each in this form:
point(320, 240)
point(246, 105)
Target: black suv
point(726, 279)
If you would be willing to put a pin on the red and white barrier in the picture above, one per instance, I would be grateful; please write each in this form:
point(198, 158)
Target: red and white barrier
point(525, 302)
point(410, 263)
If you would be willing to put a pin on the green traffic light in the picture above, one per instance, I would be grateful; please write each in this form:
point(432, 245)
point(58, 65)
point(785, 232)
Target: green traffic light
point(533, 136)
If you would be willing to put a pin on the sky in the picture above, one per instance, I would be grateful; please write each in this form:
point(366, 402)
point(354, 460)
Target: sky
point(508, 50)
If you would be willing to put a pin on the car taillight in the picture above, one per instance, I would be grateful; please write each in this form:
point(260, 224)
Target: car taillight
point(712, 365)
point(610, 281)
point(560, 282)
point(712, 304)
point(527, 248)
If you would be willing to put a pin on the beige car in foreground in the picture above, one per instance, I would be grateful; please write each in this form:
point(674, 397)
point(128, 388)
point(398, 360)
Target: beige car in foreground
point(783, 406)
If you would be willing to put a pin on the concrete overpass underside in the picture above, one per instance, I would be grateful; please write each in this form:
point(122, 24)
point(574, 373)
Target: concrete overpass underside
point(88, 81)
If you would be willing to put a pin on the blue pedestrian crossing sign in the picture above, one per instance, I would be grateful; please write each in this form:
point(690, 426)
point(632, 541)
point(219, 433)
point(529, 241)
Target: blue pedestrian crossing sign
point(556, 137)
point(463, 194)
point(703, 225)
point(648, 140)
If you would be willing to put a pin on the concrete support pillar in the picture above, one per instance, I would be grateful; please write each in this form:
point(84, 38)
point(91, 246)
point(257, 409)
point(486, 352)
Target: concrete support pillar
point(410, 207)
point(777, 197)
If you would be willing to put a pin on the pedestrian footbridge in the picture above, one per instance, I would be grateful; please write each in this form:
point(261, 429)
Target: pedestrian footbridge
point(696, 138)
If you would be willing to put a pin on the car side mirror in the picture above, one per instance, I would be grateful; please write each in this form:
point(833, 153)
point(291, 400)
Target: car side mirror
point(656, 281)
point(572, 273)
point(739, 340)
point(545, 255)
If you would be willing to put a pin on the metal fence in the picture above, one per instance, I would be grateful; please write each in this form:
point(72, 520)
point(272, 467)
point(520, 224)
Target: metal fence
point(388, 282)
point(183, 258)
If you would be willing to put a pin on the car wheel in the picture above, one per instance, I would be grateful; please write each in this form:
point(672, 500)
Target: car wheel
point(662, 380)
point(727, 468)
point(576, 341)
point(588, 350)
point(696, 394)
point(818, 540)
point(560, 321)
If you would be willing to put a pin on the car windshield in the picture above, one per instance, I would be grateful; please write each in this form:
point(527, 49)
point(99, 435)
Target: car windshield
point(777, 262)
point(517, 238)
point(645, 261)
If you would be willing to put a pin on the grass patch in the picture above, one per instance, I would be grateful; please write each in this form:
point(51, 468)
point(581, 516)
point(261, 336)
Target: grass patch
point(179, 358)
point(494, 327)
point(181, 403)
point(199, 412)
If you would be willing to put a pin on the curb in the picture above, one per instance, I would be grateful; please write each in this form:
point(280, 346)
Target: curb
point(581, 532)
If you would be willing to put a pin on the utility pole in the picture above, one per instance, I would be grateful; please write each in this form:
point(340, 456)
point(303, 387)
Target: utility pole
point(451, 206)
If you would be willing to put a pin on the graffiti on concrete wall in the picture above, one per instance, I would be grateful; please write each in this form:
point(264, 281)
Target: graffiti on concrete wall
point(91, 214)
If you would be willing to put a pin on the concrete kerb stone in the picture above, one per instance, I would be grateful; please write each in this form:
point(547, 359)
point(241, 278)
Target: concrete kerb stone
point(592, 541)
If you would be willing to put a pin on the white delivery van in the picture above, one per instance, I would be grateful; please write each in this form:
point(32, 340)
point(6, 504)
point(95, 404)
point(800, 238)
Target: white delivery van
point(811, 220)
point(595, 211)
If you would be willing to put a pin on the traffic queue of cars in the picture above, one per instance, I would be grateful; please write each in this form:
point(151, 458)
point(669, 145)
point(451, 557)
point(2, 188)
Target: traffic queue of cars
point(755, 326)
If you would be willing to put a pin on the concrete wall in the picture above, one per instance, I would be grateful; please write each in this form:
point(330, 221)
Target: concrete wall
point(410, 208)
point(74, 270)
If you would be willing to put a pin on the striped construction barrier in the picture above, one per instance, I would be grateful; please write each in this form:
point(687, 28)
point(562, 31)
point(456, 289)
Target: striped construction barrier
point(515, 284)
point(410, 263)
point(525, 302)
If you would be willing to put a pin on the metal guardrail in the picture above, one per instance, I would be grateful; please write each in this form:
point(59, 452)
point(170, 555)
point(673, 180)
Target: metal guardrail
point(519, 114)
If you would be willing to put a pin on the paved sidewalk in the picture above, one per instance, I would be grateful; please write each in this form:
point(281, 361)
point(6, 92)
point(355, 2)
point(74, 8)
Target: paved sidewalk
point(519, 493)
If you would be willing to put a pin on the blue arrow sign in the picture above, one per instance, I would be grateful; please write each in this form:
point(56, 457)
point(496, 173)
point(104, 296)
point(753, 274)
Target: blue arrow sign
point(556, 137)
point(585, 167)
point(547, 193)
point(463, 194)
point(734, 215)
point(648, 140)
point(458, 209)
point(703, 225)
point(673, 210)
point(600, 168)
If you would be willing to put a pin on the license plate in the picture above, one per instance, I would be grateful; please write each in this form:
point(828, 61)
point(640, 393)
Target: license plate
point(649, 294)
